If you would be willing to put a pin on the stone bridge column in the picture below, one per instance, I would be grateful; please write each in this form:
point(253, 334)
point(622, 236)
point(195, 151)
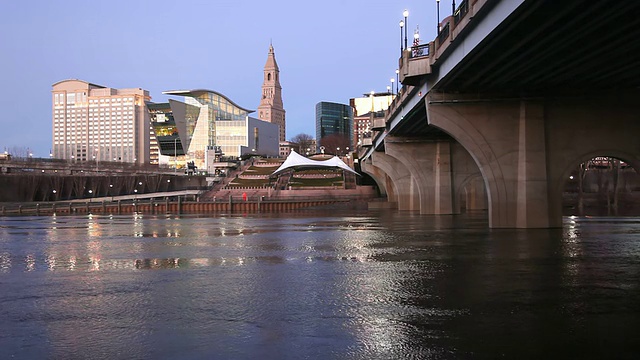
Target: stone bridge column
point(429, 163)
point(382, 180)
point(467, 180)
point(406, 187)
point(506, 138)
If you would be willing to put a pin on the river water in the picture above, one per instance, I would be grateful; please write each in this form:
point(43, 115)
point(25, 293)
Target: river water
point(317, 284)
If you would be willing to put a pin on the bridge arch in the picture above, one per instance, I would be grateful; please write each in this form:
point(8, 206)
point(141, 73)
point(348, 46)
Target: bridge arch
point(384, 183)
point(455, 120)
point(525, 148)
point(569, 165)
point(472, 192)
point(403, 183)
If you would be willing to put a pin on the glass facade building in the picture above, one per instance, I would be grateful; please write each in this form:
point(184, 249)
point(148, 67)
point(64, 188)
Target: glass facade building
point(204, 109)
point(333, 118)
point(208, 120)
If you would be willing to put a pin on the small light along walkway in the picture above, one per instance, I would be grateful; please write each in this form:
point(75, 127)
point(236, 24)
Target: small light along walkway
point(178, 202)
point(156, 195)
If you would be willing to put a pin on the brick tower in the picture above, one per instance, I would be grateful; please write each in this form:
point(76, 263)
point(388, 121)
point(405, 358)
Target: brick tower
point(271, 108)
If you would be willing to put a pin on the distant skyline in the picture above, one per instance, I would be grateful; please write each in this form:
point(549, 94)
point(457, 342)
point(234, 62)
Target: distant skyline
point(326, 51)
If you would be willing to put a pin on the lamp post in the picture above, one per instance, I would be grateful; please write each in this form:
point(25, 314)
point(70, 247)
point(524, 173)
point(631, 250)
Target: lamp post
point(453, 8)
point(438, 12)
point(401, 28)
point(392, 80)
point(405, 13)
point(397, 80)
point(175, 156)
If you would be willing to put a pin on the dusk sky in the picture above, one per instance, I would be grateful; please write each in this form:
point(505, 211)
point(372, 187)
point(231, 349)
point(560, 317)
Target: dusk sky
point(330, 50)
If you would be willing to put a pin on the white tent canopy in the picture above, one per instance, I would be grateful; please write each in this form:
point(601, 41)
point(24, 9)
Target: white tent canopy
point(295, 160)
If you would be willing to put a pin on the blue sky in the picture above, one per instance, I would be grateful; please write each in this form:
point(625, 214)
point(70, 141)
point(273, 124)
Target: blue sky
point(327, 50)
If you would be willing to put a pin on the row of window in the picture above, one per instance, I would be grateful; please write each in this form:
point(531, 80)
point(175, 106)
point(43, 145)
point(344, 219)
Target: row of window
point(81, 97)
point(102, 142)
point(102, 133)
point(94, 121)
point(94, 112)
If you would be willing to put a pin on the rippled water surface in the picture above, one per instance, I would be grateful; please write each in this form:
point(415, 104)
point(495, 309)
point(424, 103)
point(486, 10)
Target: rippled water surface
point(344, 284)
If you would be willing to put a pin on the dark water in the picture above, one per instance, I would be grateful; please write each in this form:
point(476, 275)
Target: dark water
point(317, 285)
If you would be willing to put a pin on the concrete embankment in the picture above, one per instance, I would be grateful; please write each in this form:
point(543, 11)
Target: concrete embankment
point(151, 206)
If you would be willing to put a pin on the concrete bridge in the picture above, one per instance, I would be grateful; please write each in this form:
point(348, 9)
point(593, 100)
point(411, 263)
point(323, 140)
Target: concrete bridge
point(510, 97)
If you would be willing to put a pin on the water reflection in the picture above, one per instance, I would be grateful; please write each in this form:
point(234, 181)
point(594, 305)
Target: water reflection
point(316, 285)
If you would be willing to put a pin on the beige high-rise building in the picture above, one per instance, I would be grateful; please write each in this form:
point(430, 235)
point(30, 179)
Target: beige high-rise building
point(98, 123)
point(271, 108)
point(365, 109)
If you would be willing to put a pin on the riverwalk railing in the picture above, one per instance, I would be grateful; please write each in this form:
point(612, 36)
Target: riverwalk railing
point(167, 206)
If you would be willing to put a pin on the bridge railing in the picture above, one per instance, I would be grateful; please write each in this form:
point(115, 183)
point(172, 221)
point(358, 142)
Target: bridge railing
point(443, 34)
point(461, 11)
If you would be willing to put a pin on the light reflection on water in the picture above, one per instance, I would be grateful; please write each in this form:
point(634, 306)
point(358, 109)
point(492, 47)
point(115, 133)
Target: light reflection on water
point(330, 285)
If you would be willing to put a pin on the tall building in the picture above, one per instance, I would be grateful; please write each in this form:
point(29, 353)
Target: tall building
point(366, 108)
point(96, 123)
point(372, 102)
point(334, 124)
point(271, 108)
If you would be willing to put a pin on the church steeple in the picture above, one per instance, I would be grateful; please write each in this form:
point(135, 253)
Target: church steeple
point(271, 108)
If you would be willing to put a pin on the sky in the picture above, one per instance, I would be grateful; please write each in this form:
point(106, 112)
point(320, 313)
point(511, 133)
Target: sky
point(330, 50)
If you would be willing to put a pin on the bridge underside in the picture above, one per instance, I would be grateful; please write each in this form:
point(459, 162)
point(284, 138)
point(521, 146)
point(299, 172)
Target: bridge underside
point(556, 84)
point(554, 47)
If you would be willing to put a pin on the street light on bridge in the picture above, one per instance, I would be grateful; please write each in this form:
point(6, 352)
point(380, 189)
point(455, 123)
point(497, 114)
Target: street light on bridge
point(401, 28)
point(438, 12)
point(405, 13)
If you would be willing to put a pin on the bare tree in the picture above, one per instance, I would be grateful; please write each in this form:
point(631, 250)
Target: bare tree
point(336, 144)
point(304, 142)
point(19, 152)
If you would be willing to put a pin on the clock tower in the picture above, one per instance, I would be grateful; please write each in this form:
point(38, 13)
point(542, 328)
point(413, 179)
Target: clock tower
point(271, 108)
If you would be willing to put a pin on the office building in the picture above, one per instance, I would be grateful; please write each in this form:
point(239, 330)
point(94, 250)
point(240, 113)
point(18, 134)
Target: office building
point(334, 126)
point(372, 102)
point(366, 108)
point(97, 123)
point(287, 146)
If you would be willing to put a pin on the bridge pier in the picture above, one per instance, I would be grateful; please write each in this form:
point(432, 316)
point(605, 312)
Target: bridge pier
point(385, 184)
point(429, 163)
point(506, 138)
point(526, 148)
point(405, 186)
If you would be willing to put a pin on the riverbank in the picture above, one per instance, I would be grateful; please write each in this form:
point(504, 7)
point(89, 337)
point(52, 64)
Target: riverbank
point(166, 206)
